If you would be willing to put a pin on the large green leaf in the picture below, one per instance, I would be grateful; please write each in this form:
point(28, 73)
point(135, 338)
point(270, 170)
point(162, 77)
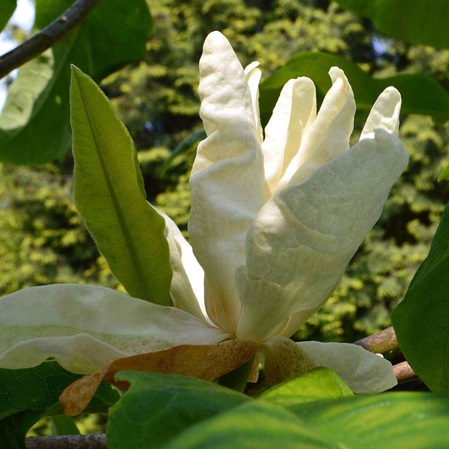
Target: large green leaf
point(317, 384)
point(158, 407)
point(254, 425)
point(110, 195)
point(34, 125)
point(6, 11)
point(415, 21)
point(420, 93)
point(26, 395)
point(421, 319)
point(391, 420)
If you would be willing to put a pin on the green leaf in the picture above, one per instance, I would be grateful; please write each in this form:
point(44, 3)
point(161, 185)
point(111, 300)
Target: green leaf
point(63, 425)
point(444, 174)
point(253, 425)
point(34, 125)
point(183, 147)
point(26, 395)
point(421, 319)
point(420, 93)
point(314, 385)
point(110, 195)
point(158, 407)
point(391, 420)
point(414, 21)
point(6, 11)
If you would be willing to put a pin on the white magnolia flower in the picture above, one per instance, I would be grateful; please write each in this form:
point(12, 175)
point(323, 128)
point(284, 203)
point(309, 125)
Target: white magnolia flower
point(274, 222)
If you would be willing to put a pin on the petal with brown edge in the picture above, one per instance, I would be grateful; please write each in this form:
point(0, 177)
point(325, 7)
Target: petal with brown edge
point(207, 362)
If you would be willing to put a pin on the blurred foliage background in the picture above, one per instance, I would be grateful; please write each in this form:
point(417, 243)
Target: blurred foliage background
point(43, 240)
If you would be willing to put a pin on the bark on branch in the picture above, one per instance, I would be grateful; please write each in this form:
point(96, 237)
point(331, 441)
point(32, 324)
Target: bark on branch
point(68, 442)
point(47, 37)
point(383, 342)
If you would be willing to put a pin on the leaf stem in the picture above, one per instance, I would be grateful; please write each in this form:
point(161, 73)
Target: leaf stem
point(47, 37)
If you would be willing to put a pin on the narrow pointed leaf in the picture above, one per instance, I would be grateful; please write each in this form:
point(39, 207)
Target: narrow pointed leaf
point(34, 125)
point(158, 407)
point(414, 21)
point(109, 195)
point(421, 319)
point(391, 420)
point(420, 93)
point(6, 11)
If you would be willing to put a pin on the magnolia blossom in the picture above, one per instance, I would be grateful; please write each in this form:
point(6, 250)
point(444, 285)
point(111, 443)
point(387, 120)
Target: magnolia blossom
point(275, 219)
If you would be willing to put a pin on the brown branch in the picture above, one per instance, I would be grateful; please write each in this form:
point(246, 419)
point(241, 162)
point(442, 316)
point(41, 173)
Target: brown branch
point(68, 442)
point(384, 342)
point(404, 372)
point(47, 37)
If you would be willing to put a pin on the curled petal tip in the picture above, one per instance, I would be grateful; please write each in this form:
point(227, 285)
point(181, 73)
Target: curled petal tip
point(337, 73)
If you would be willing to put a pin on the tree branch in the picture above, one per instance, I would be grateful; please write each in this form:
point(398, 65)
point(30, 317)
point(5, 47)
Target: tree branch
point(47, 37)
point(404, 372)
point(384, 342)
point(68, 442)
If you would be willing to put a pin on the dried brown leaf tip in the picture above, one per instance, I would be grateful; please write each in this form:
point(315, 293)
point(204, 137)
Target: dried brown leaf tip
point(207, 362)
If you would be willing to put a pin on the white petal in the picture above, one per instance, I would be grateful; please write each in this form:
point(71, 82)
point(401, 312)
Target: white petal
point(187, 286)
point(384, 114)
point(301, 242)
point(253, 75)
point(362, 370)
point(284, 359)
point(85, 328)
point(227, 182)
point(294, 110)
point(328, 136)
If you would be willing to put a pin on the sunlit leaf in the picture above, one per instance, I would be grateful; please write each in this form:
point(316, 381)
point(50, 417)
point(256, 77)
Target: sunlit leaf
point(414, 21)
point(110, 196)
point(390, 420)
point(6, 11)
point(420, 93)
point(158, 407)
point(314, 385)
point(444, 174)
point(34, 125)
point(421, 319)
point(254, 425)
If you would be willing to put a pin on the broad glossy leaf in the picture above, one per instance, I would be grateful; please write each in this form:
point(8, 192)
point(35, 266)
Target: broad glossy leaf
point(254, 425)
point(34, 125)
point(26, 395)
point(6, 11)
point(110, 196)
point(420, 93)
point(391, 420)
point(158, 407)
point(414, 21)
point(421, 319)
point(317, 384)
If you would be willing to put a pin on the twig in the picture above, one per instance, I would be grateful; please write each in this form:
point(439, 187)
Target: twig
point(68, 442)
point(47, 37)
point(404, 372)
point(384, 342)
